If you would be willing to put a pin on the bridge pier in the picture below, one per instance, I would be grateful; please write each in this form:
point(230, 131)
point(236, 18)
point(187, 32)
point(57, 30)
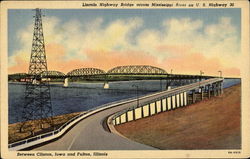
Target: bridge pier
point(214, 89)
point(221, 87)
point(168, 84)
point(199, 94)
point(66, 82)
point(106, 85)
point(209, 92)
point(193, 96)
point(169, 87)
point(202, 93)
point(217, 89)
point(183, 82)
point(34, 81)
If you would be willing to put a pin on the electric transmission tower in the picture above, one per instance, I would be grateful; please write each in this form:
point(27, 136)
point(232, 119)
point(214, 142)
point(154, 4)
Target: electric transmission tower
point(37, 109)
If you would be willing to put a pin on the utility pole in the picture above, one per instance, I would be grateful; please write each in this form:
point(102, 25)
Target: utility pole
point(201, 73)
point(168, 79)
point(37, 107)
point(220, 74)
point(137, 96)
point(161, 84)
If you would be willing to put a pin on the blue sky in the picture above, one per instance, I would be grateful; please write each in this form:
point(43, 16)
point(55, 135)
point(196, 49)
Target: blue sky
point(18, 19)
point(158, 33)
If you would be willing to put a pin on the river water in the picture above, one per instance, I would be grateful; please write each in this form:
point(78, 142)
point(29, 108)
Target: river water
point(84, 96)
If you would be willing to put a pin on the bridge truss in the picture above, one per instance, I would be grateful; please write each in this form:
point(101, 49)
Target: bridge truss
point(52, 74)
point(85, 72)
point(119, 73)
point(137, 70)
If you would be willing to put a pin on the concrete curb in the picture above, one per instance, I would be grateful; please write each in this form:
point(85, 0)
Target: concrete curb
point(112, 128)
point(114, 131)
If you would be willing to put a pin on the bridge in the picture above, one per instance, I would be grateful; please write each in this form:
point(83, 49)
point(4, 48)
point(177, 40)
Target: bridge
point(119, 73)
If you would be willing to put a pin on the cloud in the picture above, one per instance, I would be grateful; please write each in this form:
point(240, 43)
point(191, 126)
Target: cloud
point(185, 45)
point(183, 38)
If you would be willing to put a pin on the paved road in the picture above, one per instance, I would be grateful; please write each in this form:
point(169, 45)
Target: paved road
point(89, 134)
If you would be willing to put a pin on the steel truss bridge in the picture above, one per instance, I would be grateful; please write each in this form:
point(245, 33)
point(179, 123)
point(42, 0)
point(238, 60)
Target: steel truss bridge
point(119, 73)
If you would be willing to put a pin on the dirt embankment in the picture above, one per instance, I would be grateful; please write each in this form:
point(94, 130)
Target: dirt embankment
point(15, 135)
point(209, 124)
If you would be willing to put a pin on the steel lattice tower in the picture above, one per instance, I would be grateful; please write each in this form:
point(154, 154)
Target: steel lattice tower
point(37, 94)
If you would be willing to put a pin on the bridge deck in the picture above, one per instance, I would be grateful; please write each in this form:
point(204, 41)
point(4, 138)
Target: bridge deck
point(89, 134)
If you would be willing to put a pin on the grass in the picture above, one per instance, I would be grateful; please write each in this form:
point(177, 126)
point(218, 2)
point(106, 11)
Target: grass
point(15, 135)
point(209, 124)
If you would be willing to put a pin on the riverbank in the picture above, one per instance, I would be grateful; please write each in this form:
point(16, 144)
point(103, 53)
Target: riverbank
point(15, 135)
point(210, 124)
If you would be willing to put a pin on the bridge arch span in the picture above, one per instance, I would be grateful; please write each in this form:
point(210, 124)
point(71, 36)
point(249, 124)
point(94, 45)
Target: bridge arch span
point(137, 69)
point(53, 73)
point(86, 72)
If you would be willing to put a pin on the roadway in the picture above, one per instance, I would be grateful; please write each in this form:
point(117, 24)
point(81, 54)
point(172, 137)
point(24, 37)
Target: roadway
point(89, 133)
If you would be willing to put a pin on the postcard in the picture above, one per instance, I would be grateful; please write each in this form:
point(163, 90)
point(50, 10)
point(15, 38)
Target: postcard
point(125, 79)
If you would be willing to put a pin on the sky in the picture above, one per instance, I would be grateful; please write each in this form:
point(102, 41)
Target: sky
point(184, 40)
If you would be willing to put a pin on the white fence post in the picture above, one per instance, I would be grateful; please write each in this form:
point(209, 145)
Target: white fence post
point(146, 110)
point(173, 102)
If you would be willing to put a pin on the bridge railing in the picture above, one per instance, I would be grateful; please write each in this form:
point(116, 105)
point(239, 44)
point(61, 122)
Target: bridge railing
point(31, 139)
point(170, 101)
point(60, 131)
